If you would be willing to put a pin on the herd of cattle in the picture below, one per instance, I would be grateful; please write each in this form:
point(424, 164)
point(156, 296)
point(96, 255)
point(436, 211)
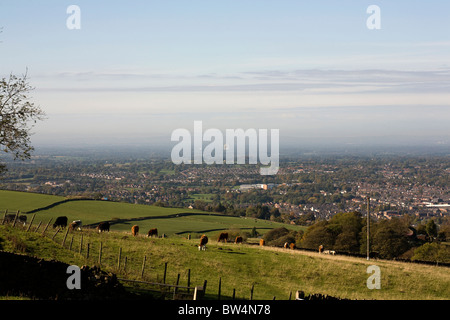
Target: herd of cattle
point(101, 227)
point(104, 227)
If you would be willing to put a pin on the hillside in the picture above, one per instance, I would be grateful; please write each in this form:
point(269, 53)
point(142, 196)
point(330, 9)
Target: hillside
point(122, 216)
point(270, 271)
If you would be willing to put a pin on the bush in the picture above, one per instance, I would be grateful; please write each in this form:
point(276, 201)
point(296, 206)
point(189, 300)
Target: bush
point(279, 236)
point(434, 252)
point(275, 234)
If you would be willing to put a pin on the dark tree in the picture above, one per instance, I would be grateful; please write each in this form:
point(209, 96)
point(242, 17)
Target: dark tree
point(17, 116)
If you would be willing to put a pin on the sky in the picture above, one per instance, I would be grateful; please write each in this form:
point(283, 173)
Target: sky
point(137, 70)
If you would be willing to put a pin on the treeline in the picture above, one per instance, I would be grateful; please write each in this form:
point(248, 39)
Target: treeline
point(256, 211)
point(389, 239)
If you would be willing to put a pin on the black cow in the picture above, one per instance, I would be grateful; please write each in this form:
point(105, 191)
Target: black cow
point(9, 217)
point(152, 232)
point(103, 226)
point(60, 222)
point(23, 219)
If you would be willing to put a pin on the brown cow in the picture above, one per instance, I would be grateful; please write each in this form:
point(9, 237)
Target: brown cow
point(320, 248)
point(223, 237)
point(135, 230)
point(103, 226)
point(286, 245)
point(261, 242)
point(152, 232)
point(75, 225)
point(238, 239)
point(292, 246)
point(203, 242)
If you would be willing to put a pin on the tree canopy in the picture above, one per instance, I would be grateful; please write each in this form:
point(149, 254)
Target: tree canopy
point(17, 116)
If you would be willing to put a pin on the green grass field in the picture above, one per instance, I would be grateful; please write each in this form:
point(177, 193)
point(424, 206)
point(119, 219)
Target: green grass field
point(25, 201)
point(272, 271)
point(145, 216)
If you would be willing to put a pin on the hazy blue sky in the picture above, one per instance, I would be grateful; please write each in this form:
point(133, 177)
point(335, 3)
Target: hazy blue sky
point(137, 70)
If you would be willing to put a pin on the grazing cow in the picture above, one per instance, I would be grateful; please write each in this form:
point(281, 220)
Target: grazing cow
point(292, 246)
point(135, 230)
point(72, 226)
point(79, 223)
point(23, 219)
point(262, 242)
point(60, 222)
point(75, 225)
point(320, 248)
point(223, 237)
point(9, 217)
point(152, 232)
point(103, 226)
point(238, 239)
point(203, 242)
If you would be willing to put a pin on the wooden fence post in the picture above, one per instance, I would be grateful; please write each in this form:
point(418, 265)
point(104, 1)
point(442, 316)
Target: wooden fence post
point(251, 292)
point(38, 226)
point(165, 272)
point(198, 293)
point(143, 267)
point(70, 245)
point(118, 259)
point(65, 236)
point(45, 229)
point(189, 280)
point(15, 218)
point(57, 230)
point(4, 216)
point(178, 281)
point(81, 244)
point(31, 222)
point(100, 254)
point(204, 286)
point(87, 250)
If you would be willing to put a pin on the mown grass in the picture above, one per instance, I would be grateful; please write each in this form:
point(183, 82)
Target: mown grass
point(274, 272)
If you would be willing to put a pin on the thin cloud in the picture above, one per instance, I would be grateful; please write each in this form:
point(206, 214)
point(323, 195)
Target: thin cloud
point(309, 80)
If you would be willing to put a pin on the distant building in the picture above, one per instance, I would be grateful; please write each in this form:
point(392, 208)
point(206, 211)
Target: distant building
point(390, 214)
point(246, 187)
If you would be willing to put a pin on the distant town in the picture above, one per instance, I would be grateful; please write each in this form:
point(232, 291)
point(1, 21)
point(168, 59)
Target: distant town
point(304, 190)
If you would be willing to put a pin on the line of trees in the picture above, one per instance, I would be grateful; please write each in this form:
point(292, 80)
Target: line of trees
point(389, 239)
